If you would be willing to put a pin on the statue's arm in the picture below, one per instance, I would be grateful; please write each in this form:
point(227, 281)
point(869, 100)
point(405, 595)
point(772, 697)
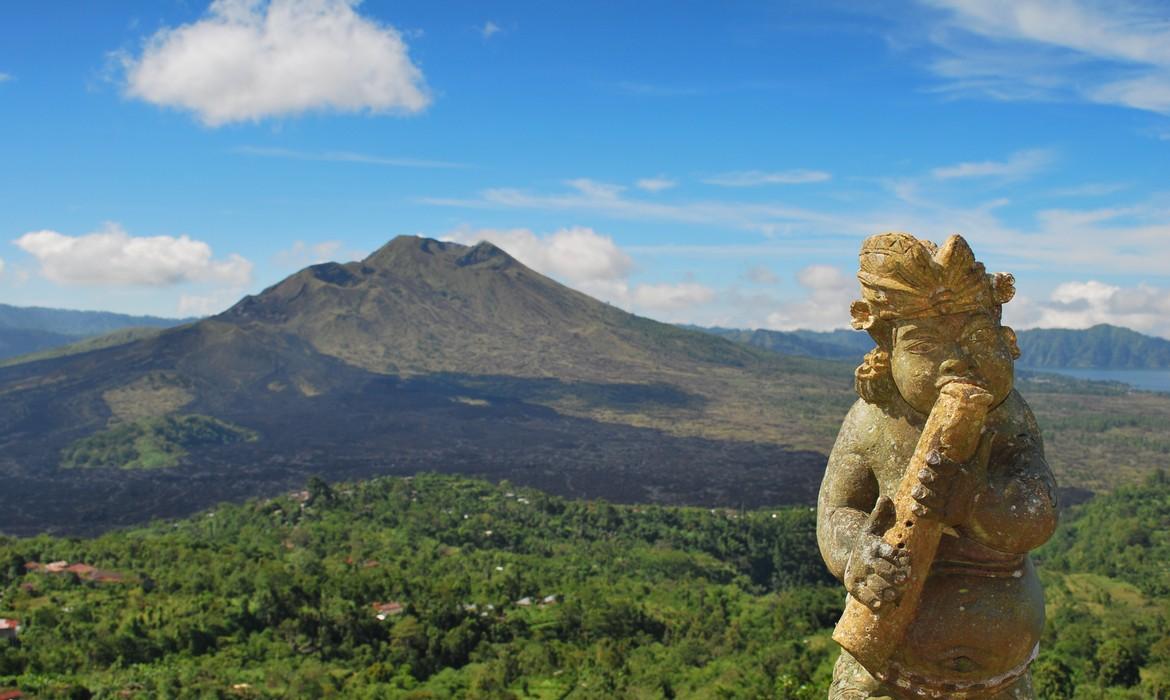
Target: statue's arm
point(1017, 510)
point(848, 494)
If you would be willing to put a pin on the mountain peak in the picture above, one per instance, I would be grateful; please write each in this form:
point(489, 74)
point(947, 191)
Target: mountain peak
point(410, 251)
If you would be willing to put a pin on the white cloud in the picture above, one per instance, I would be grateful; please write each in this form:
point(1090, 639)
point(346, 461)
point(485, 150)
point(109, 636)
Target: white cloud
point(755, 178)
point(1018, 165)
point(1113, 53)
point(592, 263)
point(252, 59)
point(576, 255)
point(113, 257)
point(490, 29)
point(825, 306)
point(346, 157)
point(4, 77)
point(1, 266)
point(655, 184)
point(1143, 308)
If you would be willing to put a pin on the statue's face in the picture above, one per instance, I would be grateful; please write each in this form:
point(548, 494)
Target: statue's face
point(929, 352)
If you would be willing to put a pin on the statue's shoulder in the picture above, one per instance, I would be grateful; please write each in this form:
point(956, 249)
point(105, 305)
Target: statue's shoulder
point(864, 425)
point(1015, 416)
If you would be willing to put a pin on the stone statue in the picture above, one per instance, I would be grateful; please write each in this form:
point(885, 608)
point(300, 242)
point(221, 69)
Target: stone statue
point(937, 487)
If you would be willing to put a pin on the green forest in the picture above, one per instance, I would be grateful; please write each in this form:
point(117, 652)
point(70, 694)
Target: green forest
point(448, 587)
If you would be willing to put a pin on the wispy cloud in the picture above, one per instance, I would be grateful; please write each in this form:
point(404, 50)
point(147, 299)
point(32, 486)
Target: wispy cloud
point(489, 29)
point(247, 60)
point(346, 157)
point(610, 200)
point(1116, 53)
point(1019, 165)
point(4, 77)
point(755, 178)
point(1089, 189)
point(655, 184)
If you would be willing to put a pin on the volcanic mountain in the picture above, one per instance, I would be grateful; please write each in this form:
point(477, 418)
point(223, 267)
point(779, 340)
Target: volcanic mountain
point(424, 356)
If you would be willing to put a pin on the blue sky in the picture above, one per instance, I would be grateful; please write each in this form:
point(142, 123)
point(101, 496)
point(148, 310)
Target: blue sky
point(705, 162)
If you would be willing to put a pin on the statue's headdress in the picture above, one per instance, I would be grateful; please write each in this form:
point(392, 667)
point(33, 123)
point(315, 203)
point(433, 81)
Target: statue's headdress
point(904, 278)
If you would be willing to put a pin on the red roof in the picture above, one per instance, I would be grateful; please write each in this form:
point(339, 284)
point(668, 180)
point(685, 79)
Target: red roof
point(10, 694)
point(390, 608)
point(8, 624)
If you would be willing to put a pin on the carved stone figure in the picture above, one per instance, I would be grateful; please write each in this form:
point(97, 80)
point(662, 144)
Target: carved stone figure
point(937, 487)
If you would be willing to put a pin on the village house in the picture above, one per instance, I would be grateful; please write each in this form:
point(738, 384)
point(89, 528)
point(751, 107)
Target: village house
point(9, 629)
point(388, 609)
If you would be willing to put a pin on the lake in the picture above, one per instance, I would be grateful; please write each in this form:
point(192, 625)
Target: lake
point(1147, 379)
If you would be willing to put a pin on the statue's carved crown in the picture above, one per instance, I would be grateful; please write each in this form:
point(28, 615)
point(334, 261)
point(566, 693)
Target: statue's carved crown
point(903, 278)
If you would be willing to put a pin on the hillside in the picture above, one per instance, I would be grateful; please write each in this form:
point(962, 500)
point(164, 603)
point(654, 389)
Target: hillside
point(426, 355)
point(444, 587)
point(26, 330)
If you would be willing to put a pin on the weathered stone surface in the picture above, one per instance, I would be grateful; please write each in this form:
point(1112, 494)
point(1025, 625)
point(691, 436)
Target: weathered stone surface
point(937, 487)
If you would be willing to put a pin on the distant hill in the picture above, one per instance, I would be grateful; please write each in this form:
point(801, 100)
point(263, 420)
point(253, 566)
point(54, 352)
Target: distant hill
point(829, 345)
point(32, 329)
point(1100, 347)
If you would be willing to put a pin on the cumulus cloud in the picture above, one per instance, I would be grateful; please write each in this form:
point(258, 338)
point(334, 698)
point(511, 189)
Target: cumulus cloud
point(575, 255)
point(655, 184)
point(1018, 165)
point(592, 263)
point(112, 257)
point(825, 306)
point(755, 178)
point(251, 59)
point(1083, 304)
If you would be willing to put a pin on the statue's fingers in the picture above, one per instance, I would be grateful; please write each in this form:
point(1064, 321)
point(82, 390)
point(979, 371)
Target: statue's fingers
point(880, 583)
point(868, 597)
point(923, 494)
point(886, 569)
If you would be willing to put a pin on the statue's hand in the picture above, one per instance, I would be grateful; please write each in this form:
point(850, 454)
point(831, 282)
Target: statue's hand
point(946, 490)
point(876, 573)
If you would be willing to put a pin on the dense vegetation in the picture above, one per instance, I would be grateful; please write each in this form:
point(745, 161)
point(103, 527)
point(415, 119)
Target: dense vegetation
point(275, 598)
point(1108, 589)
point(151, 443)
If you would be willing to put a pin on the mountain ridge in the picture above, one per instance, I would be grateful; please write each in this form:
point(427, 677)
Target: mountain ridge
point(1102, 346)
